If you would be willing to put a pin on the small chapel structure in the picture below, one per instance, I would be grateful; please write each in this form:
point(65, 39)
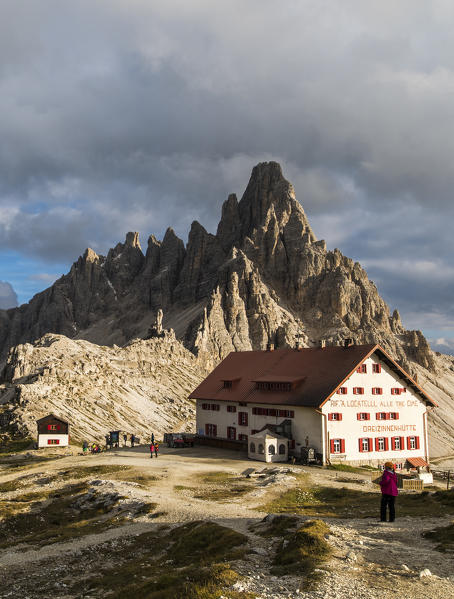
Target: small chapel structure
point(351, 404)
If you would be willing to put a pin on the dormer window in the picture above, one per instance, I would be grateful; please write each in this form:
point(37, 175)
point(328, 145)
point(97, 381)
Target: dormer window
point(273, 386)
point(227, 384)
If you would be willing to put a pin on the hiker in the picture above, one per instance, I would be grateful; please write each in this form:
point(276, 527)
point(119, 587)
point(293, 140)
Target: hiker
point(156, 449)
point(132, 440)
point(107, 441)
point(125, 438)
point(151, 450)
point(152, 438)
point(85, 447)
point(389, 492)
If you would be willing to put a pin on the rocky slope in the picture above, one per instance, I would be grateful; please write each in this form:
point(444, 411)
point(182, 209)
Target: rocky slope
point(263, 278)
point(140, 388)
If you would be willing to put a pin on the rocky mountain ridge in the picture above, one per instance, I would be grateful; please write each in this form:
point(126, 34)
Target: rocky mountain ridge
point(263, 278)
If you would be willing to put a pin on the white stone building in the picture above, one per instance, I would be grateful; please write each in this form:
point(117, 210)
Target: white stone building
point(352, 404)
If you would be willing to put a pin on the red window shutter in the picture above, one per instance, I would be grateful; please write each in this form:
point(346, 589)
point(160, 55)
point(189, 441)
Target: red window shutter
point(342, 445)
point(402, 442)
point(417, 442)
point(393, 443)
point(367, 416)
point(291, 414)
point(408, 442)
point(49, 427)
point(207, 428)
point(371, 444)
point(358, 416)
point(386, 444)
point(376, 444)
point(339, 416)
point(388, 416)
point(330, 416)
point(331, 443)
point(361, 445)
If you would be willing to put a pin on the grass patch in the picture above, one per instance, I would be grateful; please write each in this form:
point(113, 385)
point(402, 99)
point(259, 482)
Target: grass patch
point(349, 503)
point(303, 552)
point(443, 536)
point(191, 562)
point(221, 486)
point(16, 445)
point(80, 472)
point(55, 521)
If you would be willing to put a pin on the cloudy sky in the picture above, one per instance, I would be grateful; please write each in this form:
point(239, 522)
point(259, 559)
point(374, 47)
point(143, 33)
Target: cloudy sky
point(139, 114)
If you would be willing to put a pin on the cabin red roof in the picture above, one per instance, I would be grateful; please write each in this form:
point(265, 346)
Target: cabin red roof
point(314, 374)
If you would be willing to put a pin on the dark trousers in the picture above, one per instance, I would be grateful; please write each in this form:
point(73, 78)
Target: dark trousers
point(387, 501)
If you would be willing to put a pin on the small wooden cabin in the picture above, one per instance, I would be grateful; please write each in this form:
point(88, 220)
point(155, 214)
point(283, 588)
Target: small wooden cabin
point(52, 431)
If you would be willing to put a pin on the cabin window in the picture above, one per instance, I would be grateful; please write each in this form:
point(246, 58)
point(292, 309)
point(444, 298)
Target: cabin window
point(381, 444)
point(397, 443)
point(412, 442)
point(377, 391)
point(227, 384)
point(53, 427)
point(231, 433)
point(337, 445)
point(342, 391)
point(271, 450)
point(53, 441)
point(210, 406)
point(242, 418)
point(211, 430)
point(335, 416)
point(286, 414)
point(252, 447)
point(381, 416)
point(281, 449)
point(396, 391)
point(376, 368)
point(363, 416)
point(231, 408)
point(362, 369)
point(358, 390)
point(365, 445)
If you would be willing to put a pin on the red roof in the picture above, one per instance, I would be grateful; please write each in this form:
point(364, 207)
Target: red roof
point(316, 373)
point(417, 462)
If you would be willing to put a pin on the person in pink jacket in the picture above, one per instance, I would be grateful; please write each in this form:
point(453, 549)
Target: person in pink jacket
point(389, 492)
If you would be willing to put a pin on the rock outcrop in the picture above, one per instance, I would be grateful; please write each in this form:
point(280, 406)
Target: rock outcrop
point(263, 278)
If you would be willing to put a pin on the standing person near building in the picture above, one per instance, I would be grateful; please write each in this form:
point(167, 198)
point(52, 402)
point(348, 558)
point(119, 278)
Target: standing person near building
point(389, 492)
point(156, 449)
point(125, 438)
point(152, 437)
point(151, 450)
point(132, 440)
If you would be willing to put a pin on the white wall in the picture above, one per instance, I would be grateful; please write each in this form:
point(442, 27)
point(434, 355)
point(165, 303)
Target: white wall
point(408, 405)
point(42, 440)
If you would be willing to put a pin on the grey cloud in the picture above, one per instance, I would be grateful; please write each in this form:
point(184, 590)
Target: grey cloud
point(138, 116)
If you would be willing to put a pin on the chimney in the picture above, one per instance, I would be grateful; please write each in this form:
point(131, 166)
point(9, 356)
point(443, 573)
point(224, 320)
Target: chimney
point(270, 347)
point(348, 342)
point(323, 343)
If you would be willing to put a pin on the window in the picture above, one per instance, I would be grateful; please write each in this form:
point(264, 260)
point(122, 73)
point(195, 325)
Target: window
point(211, 430)
point(242, 418)
point(261, 448)
point(335, 416)
point(412, 442)
point(252, 447)
point(281, 449)
point(337, 445)
point(53, 441)
point(53, 427)
point(215, 407)
point(362, 369)
point(358, 390)
point(231, 433)
point(210, 406)
point(271, 450)
point(376, 368)
point(394, 415)
point(396, 391)
point(381, 416)
point(286, 414)
point(231, 408)
point(397, 443)
point(342, 391)
point(272, 386)
point(242, 437)
point(381, 444)
point(227, 384)
point(365, 445)
point(377, 391)
point(362, 416)
point(273, 412)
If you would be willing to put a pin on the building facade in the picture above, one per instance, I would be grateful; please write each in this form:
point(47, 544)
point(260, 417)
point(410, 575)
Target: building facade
point(352, 404)
point(52, 431)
